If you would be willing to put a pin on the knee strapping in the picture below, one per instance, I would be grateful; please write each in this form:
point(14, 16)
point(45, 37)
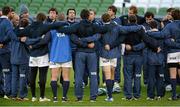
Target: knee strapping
point(22, 75)
point(138, 75)
point(161, 75)
point(6, 70)
point(93, 73)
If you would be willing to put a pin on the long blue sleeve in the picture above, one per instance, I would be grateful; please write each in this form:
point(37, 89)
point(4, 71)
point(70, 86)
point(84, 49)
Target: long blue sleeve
point(139, 46)
point(75, 39)
point(166, 32)
point(9, 37)
point(31, 41)
point(44, 41)
point(128, 29)
point(158, 35)
point(9, 33)
point(69, 29)
point(100, 29)
point(40, 29)
point(93, 38)
point(121, 31)
point(119, 40)
point(172, 44)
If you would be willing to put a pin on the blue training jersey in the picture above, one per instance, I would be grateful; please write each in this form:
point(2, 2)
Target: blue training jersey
point(60, 49)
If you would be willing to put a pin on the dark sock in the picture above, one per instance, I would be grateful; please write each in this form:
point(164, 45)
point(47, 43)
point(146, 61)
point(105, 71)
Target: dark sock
point(42, 90)
point(54, 88)
point(33, 89)
point(65, 88)
point(42, 80)
point(112, 85)
point(108, 86)
point(173, 83)
point(33, 80)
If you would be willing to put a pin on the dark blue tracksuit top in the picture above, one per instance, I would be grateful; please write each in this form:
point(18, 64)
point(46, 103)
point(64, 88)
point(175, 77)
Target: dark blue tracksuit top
point(6, 29)
point(171, 31)
point(37, 29)
point(150, 42)
point(155, 58)
point(84, 29)
point(19, 50)
point(133, 39)
point(107, 38)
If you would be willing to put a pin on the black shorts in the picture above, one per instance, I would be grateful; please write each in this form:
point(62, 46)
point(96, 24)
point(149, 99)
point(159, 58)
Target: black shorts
point(176, 65)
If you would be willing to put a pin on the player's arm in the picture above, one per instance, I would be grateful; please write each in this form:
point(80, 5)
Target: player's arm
point(57, 25)
point(172, 44)
point(149, 41)
point(138, 47)
point(93, 38)
point(43, 41)
point(32, 41)
point(120, 38)
point(10, 35)
point(99, 28)
point(76, 40)
point(157, 35)
point(72, 29)
point(128, 29)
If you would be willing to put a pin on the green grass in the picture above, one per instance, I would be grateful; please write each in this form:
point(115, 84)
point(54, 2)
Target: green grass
point(100, 100)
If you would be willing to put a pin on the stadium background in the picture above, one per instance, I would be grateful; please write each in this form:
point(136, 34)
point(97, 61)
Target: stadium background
point(158, 7)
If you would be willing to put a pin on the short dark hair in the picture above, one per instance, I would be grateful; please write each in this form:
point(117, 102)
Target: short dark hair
point(170, 9)
point(69, 10)
point(6, 10)
point(40, 17)
point(176, 14)
point(132, 19)
point(153, 24)
point(106, 17)
point(149, 14)
point(84, 14)
point(24, 22)
point(134, 8)
point(92, 10)
point(53, 9)
point(113, 8)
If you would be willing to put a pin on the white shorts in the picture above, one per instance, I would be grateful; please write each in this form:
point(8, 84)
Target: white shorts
point(41, 61)
point(173, 57)
point(108, 62)
point(59, 65)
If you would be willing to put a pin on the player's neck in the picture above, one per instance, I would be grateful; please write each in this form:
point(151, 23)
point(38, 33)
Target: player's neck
point(71, 20)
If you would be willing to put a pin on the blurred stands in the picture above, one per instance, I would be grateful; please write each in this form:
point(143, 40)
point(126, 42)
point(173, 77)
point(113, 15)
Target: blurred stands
point(158, 7)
